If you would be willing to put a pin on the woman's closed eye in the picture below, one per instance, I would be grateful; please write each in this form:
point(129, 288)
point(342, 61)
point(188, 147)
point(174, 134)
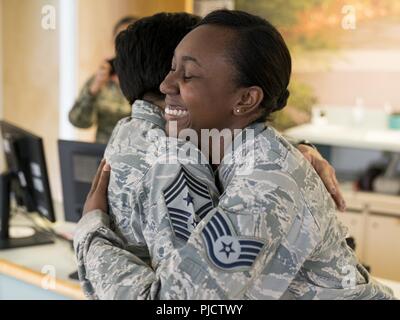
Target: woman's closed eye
point(187, 77)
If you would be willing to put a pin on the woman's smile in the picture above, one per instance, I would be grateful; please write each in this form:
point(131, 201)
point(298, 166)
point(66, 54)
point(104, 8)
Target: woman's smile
point(177, 117)
point(175, 112)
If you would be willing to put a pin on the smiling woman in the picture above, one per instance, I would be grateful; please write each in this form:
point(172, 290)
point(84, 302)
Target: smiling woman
point(202, 89)
point(200, 80)
point(270, 232)
point(224, 75)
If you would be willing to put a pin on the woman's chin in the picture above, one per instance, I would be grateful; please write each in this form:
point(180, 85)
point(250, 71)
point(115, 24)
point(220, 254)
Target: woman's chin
point(174, 125)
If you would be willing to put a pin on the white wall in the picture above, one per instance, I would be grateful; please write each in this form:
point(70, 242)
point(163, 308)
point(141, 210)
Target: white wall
point(373, 75)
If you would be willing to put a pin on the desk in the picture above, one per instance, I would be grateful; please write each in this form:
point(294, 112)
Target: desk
point(28, 273)
point(395, 286)
point(39, 272)
point(45, 281)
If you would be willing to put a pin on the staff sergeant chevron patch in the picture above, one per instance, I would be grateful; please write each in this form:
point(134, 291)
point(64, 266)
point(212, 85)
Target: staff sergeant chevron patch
point(225, 249)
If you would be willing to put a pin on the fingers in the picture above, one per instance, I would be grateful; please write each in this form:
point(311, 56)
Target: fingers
point(339, 200)
point(97, 197)
point(338, 197)
point(332, 186)
point(104, 179)
point(328, 176)
point(105, 66)
point(306, 152)
point(308, 156)
point(97, 176)
point(326, 173)
point(103, 75)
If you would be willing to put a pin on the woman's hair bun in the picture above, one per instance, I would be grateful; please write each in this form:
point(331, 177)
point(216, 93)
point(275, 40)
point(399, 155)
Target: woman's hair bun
point(282, 100)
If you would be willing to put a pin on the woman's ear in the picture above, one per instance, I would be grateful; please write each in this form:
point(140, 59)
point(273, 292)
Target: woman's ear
point(249, 100)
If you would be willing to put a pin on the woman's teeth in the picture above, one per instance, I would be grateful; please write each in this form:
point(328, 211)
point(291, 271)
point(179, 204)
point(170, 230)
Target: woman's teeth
point(175, 112)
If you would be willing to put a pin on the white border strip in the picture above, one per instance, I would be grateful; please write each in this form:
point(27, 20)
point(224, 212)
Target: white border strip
point(68, 58)
point(1, 61)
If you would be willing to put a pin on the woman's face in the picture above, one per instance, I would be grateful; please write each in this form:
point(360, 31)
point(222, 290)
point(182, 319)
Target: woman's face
point(200, 90)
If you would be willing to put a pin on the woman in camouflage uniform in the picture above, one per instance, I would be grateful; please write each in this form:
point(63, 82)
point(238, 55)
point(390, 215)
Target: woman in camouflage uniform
point(272, 234)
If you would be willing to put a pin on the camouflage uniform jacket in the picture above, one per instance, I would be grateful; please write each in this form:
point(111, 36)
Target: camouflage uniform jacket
point(104, 109)
point(273, 235)
point(132, 152)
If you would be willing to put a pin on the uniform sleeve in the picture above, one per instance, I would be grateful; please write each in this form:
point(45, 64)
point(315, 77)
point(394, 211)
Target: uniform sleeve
point(120, 210)
point(83, 112)
point(106, 269)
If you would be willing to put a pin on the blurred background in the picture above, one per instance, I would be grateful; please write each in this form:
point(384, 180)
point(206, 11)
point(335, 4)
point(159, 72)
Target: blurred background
point(345, 95)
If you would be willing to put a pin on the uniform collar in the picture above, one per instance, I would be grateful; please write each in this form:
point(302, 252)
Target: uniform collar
point(240, 145)
point(149, 112)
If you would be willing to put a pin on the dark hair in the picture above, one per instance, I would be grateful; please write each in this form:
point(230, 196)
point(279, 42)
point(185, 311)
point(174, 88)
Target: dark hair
point(144, 52)
point(122, 21)
point(259, 54)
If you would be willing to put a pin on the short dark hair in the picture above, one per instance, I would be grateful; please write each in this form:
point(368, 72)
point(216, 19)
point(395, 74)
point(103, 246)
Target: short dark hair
point(259, 54)
point(144, 52)
point(123, 21)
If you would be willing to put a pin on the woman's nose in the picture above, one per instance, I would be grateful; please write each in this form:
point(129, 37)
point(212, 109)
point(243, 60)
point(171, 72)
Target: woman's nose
point(169, 85)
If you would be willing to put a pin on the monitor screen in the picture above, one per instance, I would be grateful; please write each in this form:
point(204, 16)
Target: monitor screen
point(25, 159)
point(79, 162)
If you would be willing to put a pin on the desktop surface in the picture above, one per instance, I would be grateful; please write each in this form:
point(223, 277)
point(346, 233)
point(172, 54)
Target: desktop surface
point(41, 271)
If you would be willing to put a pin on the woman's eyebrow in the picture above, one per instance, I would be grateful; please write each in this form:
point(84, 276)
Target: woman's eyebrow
point(189, 58)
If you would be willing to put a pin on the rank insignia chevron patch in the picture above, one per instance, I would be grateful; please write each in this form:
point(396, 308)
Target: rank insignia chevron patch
point(188, 201)
point(225, 249)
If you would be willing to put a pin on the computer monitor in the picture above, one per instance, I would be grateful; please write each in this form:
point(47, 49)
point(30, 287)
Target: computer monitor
point(79, 162)
point(27, 179)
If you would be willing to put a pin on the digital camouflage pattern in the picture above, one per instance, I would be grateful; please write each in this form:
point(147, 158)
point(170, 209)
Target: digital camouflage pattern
point(132, 151)
point(104, 110)
point(273, 234)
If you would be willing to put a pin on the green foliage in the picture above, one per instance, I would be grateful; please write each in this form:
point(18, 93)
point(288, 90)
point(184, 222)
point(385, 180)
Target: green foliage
point(298, 109)
point(281, 13)
point(284, 15)
point(301, 95)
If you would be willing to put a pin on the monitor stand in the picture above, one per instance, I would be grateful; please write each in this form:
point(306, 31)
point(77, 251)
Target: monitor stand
point(39, 238)
point(7, 242)
point(74, 275)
